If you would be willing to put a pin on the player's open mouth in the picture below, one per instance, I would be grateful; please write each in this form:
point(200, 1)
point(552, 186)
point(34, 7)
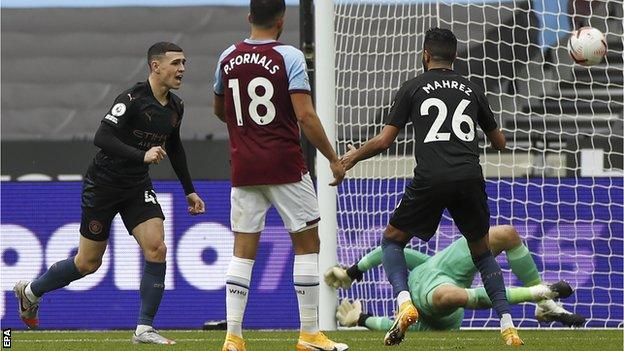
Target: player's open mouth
point(179, 78)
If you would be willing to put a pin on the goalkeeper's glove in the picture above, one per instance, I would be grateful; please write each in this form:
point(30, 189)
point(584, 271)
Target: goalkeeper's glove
point(349, 313)
point(337, 277)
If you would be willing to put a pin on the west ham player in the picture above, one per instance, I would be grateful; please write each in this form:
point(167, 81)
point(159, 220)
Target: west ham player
point(262, 92)
point(141, 128)
point(444, 109)
point(440, 285)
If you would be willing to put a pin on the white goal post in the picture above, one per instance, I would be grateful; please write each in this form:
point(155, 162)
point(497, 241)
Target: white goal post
point(325, 101)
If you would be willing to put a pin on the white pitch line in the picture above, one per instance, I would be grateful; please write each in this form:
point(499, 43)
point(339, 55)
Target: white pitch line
point(127, 340)
point(208, 339)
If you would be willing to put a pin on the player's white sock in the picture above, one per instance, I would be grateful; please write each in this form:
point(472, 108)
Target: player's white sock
point(30, 295)
point(403, 296)
point(236, 291)
point(506, 321)
point(306, 279)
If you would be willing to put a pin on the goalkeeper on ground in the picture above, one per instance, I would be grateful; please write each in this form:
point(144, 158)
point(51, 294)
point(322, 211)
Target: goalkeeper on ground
point(440, 285)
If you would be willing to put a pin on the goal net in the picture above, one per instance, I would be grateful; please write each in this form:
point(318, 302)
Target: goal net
point(560, 181)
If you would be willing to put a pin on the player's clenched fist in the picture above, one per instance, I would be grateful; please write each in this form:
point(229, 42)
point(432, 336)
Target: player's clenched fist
point(154, 155)
point(196, 204)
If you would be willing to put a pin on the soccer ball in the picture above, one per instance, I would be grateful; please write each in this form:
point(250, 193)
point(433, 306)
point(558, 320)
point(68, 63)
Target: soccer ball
point(587, 46)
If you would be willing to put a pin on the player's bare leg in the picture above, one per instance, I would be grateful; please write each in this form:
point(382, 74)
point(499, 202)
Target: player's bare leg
point(495, 286)
point(87, 261)
point(394, 265)
point(151, 237)
point(306, 246)
point(237, 283)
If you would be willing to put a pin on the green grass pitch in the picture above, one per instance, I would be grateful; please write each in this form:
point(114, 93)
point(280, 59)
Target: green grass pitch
point(542, 340)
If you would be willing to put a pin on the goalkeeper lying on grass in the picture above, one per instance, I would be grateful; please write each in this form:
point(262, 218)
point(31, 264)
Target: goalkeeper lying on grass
point(440, 285)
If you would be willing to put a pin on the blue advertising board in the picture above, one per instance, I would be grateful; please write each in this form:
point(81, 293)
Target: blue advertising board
point(573, 227)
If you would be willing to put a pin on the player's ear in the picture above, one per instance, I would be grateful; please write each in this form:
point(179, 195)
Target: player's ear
point(249, 18)
point(426, 56)
point(154, 66)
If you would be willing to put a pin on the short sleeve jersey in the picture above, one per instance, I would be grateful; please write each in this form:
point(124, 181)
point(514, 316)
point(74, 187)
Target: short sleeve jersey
point(140, 121)
point(256, 79)
point(444, 109)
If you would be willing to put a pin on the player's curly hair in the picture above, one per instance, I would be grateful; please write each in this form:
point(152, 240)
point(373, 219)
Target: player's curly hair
point(441, 44)
point(264, 13)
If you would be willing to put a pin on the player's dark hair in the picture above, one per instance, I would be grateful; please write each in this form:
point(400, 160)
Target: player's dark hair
point(265, 13)
point(441, 44)
point(160, 49)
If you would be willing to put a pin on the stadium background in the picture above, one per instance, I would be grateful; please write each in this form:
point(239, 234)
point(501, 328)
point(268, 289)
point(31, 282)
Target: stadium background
point(63, 64)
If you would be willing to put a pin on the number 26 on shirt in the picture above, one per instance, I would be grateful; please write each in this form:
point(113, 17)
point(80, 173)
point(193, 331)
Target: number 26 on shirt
point(256, 100)
point(458, 118)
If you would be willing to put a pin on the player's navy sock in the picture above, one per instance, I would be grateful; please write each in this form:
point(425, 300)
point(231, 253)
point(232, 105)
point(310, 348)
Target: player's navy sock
point(152, 288)
point(492, 278)
point(394, 265)
point(58, 275)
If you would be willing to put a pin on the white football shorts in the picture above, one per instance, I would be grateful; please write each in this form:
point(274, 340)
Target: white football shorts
point(295, 202)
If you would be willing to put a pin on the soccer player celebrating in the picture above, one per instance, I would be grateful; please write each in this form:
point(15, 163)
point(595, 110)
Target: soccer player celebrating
point(444, 109)
point(141, 128)
point(262, 93)
point(440, 285)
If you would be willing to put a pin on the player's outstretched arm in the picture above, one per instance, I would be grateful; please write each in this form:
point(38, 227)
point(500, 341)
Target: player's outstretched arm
point(397, 119)
point(373, 259)
point(376, 145)
point(177, 156)
point(313, 129)
point(339, 277)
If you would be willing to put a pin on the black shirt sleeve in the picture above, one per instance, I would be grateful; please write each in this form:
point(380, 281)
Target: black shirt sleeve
point(177, 156)
point(120, 112)
point(485, 116)
point(401, 109)
point(106, 140)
